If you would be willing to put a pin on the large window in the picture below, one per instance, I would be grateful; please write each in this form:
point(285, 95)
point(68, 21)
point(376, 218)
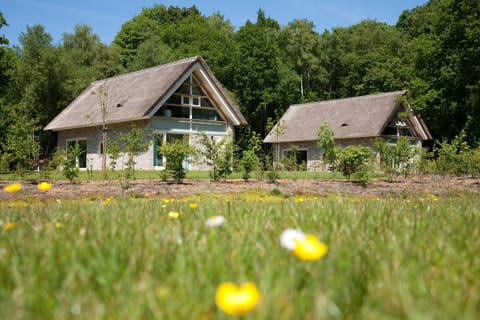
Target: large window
point(295, 159)
point(159, 159)
point(77, 152)
point(190, 102)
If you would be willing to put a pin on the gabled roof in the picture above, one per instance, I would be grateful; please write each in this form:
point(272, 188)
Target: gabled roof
point(358, 117)
point(138, 95)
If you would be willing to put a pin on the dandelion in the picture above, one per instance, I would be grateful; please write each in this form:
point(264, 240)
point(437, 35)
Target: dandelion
point(10, 226)
point(299, 200)
point(44, 186)
point(290, 237)
point(14, 187)
point(215, 221)
point(59, 225)
point(310, 249)
point(237, 300)
point(107, 201)
point(193, 205)
point(173, 215)
point(304, 246)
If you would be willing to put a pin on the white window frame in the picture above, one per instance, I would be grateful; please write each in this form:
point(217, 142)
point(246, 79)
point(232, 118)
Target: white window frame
point(86, 151)
point(164, 134)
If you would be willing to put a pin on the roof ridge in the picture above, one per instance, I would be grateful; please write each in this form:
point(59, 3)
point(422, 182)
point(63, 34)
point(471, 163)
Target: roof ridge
point(169, 64)
point(350, 98)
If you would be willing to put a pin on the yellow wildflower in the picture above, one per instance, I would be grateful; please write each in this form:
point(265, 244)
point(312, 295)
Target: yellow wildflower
point(14, 187)
point(193, 205)
point(44, 186)
point(173, 215)
point(299, 200)
point(10, 225)
point(237, 300)
point(310, 248)
point(59, 225)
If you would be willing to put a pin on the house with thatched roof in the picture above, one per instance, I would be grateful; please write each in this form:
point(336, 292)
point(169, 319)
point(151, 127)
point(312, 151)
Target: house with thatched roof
point(354, 121)
point(169, 102)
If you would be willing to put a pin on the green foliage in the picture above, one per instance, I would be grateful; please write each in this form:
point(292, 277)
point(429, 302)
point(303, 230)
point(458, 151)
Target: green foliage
point(272, 171)
point(248, 162)
point(69, 166)
point(218, 153)
point(355, 162)
point(113, 151)
point(256, 71)
point(456, 157)
point(327, 143)
point(395, 158)
point(351, 161)
point(176, 152)
point(446, 58)
point(126, 260)
point(433, 51)
point(21, 144)
point(133, 143)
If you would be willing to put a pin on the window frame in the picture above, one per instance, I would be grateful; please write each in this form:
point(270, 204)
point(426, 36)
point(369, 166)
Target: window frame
point(77, 159)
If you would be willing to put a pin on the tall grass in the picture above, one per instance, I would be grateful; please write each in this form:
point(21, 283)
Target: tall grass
point(414, 257)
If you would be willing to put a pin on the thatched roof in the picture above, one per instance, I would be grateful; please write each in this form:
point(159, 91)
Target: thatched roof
point(138, 95)
point(358, 117)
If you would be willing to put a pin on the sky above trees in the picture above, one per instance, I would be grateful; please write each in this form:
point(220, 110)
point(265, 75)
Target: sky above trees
point(107, 16)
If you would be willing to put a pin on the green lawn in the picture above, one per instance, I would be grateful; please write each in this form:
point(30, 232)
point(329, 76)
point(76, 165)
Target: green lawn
point(411, 257)
point(150, 174)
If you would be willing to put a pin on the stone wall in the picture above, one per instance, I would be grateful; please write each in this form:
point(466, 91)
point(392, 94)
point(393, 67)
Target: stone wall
point(144, 161)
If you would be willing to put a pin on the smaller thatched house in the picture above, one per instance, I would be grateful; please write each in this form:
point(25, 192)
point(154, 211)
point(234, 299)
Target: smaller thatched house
point(355, 121)
point(173, 101)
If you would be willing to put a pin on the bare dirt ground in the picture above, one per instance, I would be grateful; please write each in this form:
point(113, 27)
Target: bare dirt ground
point(157, 188)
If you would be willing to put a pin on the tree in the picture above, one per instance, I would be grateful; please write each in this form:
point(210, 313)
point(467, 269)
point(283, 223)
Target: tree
point(353, 161)
point(218, 154)
point(175, 152)
point(395, 158)
point(327, 143)
point(301, 45)
point(145, 26)
point(39, 79)
point(102, 94)
point(134, 142)
point(446, 59)
point(21, 143)
point(256, 71)
point(362, 59)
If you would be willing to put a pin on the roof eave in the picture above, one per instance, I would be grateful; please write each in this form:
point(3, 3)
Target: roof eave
point(90, 125)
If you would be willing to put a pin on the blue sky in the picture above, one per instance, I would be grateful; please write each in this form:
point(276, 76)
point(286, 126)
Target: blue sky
point(107, 16)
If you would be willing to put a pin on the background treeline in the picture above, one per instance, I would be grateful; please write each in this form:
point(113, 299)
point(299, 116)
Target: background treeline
point(433, 51)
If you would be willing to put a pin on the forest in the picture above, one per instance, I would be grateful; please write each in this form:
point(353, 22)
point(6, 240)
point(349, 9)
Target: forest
point(433, 51)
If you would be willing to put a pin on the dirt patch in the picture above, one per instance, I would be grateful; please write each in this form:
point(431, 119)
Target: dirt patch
point(158, 188)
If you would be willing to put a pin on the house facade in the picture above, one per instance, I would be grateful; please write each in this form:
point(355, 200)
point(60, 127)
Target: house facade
point(174, 101)
point(354, 121)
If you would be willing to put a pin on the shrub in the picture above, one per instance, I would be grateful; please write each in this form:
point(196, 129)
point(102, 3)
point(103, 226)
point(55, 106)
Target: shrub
point(218, 154)
point(248, 162)
point(354, 162)
point(175, 152)
point(395, 158)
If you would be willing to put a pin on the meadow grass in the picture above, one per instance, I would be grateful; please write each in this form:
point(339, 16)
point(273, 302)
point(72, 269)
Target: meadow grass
point(409, 257)
point(84, 175)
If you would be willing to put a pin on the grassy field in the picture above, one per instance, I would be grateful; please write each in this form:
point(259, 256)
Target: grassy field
point(410, 257)
point(150, 174)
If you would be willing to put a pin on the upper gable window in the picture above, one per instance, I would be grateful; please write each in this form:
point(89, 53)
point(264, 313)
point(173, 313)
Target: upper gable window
point(398, 126)
point(190, 102)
